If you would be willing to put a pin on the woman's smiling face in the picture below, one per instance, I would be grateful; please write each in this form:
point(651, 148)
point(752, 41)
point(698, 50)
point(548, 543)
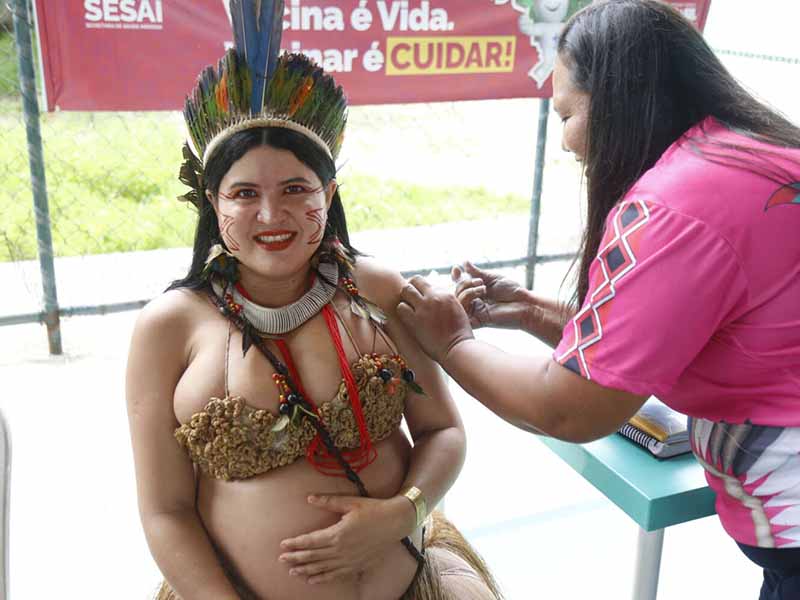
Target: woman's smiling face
point(272, 210)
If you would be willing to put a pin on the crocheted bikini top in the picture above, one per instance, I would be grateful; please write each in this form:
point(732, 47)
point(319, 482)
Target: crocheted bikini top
point(229, 439)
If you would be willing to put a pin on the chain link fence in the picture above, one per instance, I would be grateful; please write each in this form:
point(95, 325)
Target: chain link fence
point(459, 174)
point(13, 169)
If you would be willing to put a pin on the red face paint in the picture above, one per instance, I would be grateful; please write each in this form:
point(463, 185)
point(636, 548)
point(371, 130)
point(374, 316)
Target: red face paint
point(227, 237)
point(318, 218)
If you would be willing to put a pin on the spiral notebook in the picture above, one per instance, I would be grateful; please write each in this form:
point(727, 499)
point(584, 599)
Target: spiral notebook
point(659, 429)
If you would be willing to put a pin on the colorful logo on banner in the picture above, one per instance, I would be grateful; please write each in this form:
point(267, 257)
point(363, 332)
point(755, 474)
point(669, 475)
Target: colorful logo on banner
point(542, 21)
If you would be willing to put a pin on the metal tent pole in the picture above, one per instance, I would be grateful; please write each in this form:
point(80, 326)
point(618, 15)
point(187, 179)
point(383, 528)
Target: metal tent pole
point(30, 105)
point(536, 200)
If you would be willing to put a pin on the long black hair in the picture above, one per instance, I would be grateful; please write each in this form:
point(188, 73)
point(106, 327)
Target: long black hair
point(307, 152)
point(650, 77)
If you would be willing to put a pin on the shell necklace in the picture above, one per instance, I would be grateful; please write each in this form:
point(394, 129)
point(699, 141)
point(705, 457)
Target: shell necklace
point(281, 320)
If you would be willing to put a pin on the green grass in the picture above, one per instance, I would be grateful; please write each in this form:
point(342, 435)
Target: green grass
point(111, 182)
point(372, 203)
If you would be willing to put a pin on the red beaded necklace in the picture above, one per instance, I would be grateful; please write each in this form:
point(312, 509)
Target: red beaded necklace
point(317, 454)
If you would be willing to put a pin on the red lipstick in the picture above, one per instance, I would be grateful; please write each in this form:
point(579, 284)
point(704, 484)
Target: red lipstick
point(280, 240)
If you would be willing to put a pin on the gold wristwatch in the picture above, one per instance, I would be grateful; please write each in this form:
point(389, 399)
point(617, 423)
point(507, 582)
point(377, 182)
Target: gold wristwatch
point(417, 498)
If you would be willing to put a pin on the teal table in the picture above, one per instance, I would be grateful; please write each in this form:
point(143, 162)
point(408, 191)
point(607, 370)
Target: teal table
point(654, 493)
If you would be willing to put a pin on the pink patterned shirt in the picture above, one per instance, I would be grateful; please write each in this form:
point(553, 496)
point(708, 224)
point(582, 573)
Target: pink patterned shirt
point(695, 298)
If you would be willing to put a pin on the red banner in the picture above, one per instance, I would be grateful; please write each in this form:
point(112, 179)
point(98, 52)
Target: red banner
point(145, 54)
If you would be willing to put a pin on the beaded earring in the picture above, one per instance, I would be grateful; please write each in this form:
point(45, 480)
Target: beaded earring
point(222, 263)
point(332, 250)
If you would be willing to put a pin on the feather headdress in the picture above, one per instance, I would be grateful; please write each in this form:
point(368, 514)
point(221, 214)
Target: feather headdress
point(252, 86)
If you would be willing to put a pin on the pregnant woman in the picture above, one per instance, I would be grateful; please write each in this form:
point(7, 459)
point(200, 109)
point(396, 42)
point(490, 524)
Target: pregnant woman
point(266, 389)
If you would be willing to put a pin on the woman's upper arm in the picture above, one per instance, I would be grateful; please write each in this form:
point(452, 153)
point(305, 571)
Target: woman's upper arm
point(435, 409)
point(156, 361)
point(603, 410)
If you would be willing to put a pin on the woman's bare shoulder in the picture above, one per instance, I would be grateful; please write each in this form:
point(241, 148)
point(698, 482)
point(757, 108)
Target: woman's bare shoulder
point(379, 283)
point(175, 311)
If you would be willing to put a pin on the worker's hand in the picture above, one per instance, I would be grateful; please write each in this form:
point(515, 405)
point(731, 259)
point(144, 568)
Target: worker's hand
point(434, 317)
point(489, 299)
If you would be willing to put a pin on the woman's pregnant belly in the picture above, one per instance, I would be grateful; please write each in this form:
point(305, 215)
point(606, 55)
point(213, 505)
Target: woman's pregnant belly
point(247, 520)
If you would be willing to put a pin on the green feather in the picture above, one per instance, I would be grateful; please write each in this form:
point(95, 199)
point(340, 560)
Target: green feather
point(323, 108)
point(416, 388)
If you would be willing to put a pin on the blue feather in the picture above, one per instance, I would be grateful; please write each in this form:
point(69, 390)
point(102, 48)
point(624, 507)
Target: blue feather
point(275, 36)
point(257, 28)
point(237, 23)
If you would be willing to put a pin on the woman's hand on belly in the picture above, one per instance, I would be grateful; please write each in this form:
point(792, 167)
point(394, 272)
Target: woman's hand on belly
point(367, 529)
